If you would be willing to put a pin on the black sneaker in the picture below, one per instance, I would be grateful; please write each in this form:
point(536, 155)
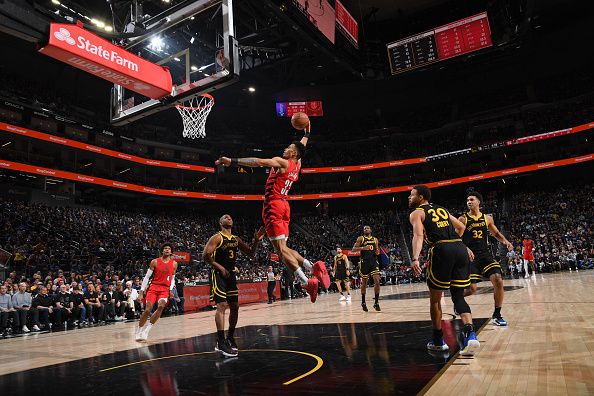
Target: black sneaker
point(232, 344)
point(364, 306)
point(225, 349)
point(377, 307)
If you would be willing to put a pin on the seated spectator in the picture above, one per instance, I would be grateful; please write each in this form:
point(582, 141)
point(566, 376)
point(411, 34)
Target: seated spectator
point(64, 305)
point(131, 296)
point(21, 302)
point(79, 311)
point(93, 305)
point(7, 312)
point(108, 299)
point(120, 304)
point(43, 305)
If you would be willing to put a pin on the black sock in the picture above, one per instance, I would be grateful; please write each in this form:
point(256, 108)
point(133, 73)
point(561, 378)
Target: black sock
point(221, 335)
point(437, 336)
point(497, 312)
point(230, 333)
point(468, 328)
point(341, 293)
point(363, 298)
point(376, 297)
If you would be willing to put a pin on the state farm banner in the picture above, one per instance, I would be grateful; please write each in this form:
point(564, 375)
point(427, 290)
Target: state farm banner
point(350, 253)
point(181, 257)
point(84, 50)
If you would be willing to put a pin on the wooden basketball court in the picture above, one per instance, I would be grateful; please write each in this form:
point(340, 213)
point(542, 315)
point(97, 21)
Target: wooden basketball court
point(331, 347)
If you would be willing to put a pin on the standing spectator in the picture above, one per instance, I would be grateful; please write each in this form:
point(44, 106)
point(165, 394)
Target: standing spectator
point(21, 302)
point(179, 286)
point(43, 306)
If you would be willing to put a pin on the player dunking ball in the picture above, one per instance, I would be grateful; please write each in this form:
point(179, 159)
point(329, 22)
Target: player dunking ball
point(276, 213)
point(161, 274)
point(221, 253)
point(368, 245)
point(342, 274)
point(476, 238)
point(448, 265)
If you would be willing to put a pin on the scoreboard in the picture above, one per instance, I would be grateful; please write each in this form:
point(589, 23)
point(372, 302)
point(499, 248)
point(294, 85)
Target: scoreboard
point(454, 39)
point(311, 108)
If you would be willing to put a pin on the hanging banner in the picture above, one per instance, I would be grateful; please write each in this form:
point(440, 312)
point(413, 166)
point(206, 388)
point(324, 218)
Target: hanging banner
point(88, 52)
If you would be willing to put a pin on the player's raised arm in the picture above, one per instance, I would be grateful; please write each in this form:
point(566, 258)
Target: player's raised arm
point(254, 162)
point(307, 132)
point(250, 250)
point(458, 225)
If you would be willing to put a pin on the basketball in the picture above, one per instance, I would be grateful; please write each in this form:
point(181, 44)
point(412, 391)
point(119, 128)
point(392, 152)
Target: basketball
point(300, 121)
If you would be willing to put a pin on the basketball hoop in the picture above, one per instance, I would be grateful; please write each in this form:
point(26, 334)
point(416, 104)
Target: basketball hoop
point(194, 113)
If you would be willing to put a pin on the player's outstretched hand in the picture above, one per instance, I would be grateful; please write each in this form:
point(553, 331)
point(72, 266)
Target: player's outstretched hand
point(416, 268)
point(258, 235)
point(509, 246)
point(225, 161)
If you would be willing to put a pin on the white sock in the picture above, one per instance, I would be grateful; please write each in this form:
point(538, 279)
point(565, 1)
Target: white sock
point(307, 264)
point(302, 278)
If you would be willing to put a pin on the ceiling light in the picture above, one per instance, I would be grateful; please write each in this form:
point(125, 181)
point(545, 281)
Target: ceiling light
point(206, 74)
point(125, 170)
point(108, 28)
point(191, 18)
point(176, 59)
point(94, 21)
point(192, 40)
point(194, 68)
point(252, 89)
point(166, 1)
point(101, 24)
point(56, 2)
point(6, 144)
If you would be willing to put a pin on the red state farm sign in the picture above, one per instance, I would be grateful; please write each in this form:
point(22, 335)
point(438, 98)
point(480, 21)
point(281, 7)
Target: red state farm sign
point(181, 257)
point(84, 50)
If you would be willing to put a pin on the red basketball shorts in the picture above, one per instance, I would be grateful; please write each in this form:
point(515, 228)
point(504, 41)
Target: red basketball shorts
point(276, 215)
point(155, 293)
point(529, 257)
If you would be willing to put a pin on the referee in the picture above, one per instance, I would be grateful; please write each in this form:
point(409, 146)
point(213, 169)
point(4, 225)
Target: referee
point(271, 284)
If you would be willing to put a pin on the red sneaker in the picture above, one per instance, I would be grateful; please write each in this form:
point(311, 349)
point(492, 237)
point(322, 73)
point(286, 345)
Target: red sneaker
point(319, 271)
point(312, 289)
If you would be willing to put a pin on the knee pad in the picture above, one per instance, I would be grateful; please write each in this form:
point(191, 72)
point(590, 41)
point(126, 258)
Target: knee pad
point(458, 299)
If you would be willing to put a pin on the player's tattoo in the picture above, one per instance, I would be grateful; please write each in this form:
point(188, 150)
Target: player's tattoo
point(247, 162)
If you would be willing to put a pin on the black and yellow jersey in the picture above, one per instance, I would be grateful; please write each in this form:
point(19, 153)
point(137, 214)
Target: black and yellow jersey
point(437, 226)
point(368, 255)
point(340, 260)
point(476, 234)
point(226, 251)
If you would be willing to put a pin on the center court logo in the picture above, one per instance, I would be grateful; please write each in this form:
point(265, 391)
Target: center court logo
point(64, 35)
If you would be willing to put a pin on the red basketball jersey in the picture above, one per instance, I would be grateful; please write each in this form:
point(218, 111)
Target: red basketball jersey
point(279, 184)
point(527, 247)
point(162, 273)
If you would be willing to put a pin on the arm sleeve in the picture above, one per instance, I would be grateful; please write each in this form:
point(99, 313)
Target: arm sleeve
point(172, 283)
point(146, 279)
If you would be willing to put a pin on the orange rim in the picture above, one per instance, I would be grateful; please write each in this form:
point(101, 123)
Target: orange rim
point(205, 95)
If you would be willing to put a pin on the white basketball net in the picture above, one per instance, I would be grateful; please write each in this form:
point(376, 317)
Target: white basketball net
point(194, 113)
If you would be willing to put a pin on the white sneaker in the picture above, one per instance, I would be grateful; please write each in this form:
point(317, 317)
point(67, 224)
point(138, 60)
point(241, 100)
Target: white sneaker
point(348, 298)
point(139, 332)
point(36, 328)
point(342, 298)
point(145, 332)
point(26, 329)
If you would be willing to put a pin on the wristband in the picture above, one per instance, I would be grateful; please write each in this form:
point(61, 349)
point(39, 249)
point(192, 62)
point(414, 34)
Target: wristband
point(414, 260)
point(306, 134)
point(234, 161)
